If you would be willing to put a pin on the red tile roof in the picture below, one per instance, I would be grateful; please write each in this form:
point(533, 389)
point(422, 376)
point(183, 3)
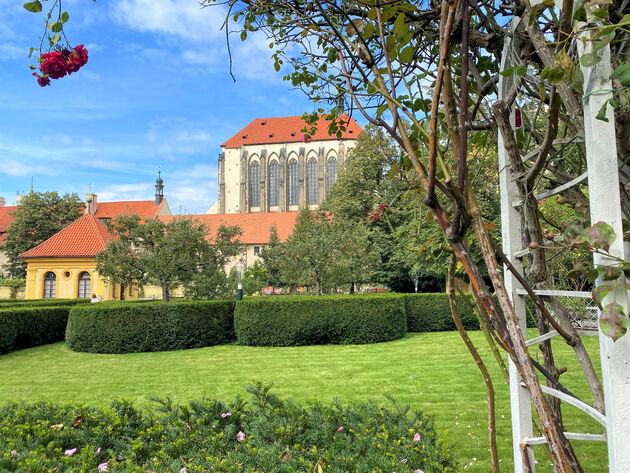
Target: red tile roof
point(286, 130)
point(142, 208)
point(84, 237)
point(5, 220)
point(255, 226)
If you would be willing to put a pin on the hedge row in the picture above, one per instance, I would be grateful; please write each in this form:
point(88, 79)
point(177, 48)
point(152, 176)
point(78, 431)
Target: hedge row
point(5, 303)
point(431, 312)
point(266, 434)
point(24, 327)
point(119, 327)
point(308, 320)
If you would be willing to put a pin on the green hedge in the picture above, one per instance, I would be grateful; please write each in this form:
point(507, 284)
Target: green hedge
point(309, 320)
point(431, 312)
point(24, 327)
point(267, 434)
point(119, 327)
point(5, 303)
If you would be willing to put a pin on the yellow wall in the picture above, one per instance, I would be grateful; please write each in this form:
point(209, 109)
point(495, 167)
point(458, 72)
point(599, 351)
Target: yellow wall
point(67, 271)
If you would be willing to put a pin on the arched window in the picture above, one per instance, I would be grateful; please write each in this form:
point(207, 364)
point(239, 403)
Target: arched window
point(293, 182)
point(313, 196)
point(332, 172)
point(85, 285)
point(254, 184)
point(273, 183)
point(50, 285)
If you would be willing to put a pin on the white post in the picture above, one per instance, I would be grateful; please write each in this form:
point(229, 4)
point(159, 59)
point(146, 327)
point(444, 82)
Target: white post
point(520, 399)
point(603, 176)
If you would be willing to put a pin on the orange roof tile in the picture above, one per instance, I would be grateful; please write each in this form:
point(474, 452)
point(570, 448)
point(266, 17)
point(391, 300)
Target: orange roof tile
point(84, 237)
point(286, 130)
point(142, 208)
point(255, 226)
point(5, 220)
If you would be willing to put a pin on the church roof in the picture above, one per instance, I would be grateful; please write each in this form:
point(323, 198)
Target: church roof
point(142, 208)
point(286, 130)
point(255, 226)
point(84, 237)
point(5, 220)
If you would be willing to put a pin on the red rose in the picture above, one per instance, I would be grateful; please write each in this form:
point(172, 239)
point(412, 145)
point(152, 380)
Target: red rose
point(43, 81)
point(82, 53)
point(54, 65)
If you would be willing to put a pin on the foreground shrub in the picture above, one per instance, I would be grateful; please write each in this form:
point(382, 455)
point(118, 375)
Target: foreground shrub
point(25, 326)
point(266, 435)
point(310, 320)
point(120, 327)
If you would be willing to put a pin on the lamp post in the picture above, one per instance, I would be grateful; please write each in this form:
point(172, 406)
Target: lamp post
point(240, 269)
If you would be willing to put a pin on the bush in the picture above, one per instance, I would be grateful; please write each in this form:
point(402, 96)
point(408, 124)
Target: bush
point(309, 320)
point(268, 434)
point(5, 303)
point(24, 327)
point(128, 327)
point(431, 312)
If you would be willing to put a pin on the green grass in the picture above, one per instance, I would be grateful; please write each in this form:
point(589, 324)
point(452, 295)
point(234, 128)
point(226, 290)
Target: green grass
point(432, 372)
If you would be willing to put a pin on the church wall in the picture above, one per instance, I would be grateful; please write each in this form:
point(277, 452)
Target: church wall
point(234, 182)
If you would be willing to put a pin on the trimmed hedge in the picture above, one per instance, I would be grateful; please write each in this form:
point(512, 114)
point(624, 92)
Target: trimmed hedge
point(131, 327)
point(431, 312)
point(24, 327)
point(310, 320)
point(6, 303)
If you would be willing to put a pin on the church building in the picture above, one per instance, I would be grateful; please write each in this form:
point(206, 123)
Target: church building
point(272, 166)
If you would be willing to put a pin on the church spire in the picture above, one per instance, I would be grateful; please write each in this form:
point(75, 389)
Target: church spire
point(159, 189)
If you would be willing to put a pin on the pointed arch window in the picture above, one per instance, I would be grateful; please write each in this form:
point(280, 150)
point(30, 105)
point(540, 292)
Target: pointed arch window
point(293, 182)
point(332, 172)
point(50, 285)
point(85, 285)
point(313, 197)
point(254, 186)
point(273, 183)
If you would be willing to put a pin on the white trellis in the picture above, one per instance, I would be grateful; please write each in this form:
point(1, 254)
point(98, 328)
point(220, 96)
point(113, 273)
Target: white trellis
point(602, 174)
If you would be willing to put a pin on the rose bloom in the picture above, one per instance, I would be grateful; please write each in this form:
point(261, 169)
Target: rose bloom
point(54, 65)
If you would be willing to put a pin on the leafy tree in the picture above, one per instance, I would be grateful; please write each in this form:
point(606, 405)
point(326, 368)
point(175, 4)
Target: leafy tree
point(38, 217)
point(167, 254)
point(271, 255)
point(255, 278)
point(14, 285)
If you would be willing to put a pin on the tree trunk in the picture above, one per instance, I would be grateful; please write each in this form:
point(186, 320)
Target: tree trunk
point(166, 296)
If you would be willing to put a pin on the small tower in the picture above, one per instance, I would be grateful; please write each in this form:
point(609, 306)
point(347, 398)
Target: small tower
point(159, 189)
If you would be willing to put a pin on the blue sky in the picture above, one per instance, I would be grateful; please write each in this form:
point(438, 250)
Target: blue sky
point(155, 95)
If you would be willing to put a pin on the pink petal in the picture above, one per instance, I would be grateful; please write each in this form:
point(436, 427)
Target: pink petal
point(71, 451)
point(340, 429)
point(240, 436)
point(417, 438)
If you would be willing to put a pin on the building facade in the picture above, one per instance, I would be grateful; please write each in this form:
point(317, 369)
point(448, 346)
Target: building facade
point(271, 166)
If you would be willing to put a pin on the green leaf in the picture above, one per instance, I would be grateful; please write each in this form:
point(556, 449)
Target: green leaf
point(65, 17)
point(55, 27)
point(55, 39)
point(31, 51)
point(243, 35)
point(601, 235)
point(589, 59)
point(508, 72)
point(580, 12)
point(601, 115)
point(622, 72)
point(34, 7)
point(613, 322)
point(407, 54)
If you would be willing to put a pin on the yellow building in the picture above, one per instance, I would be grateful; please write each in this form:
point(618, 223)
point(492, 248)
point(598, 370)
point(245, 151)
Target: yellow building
point(64, 266)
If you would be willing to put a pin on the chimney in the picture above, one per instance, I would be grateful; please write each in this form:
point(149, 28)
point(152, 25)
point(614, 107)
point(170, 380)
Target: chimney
point(2, 202)
point(159, 189)
point(90, 203)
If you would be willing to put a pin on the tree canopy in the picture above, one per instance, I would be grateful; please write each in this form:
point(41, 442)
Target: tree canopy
point(38, 217)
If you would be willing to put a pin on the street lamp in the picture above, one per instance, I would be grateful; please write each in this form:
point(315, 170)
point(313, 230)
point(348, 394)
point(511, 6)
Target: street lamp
point(240, 269)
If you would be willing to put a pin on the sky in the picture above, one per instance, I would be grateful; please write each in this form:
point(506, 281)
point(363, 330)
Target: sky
point(155, 95)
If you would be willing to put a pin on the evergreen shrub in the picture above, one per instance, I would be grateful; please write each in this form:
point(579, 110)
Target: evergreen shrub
point(311, 320)
point(267, 434)
point(5, 303)
point(431, 312)
point(128, 327)
point(24, 327)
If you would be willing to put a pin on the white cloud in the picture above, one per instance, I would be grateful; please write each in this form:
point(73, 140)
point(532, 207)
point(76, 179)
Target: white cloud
point(15, 168)
point(124, 192)
point(175, 135)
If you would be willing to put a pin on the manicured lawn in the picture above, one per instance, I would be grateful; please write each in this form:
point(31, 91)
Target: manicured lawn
point(432, 372)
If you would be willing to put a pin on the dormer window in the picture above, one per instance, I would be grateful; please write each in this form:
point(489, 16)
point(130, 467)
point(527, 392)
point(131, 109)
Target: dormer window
point(244, 136)
point(263, 123)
